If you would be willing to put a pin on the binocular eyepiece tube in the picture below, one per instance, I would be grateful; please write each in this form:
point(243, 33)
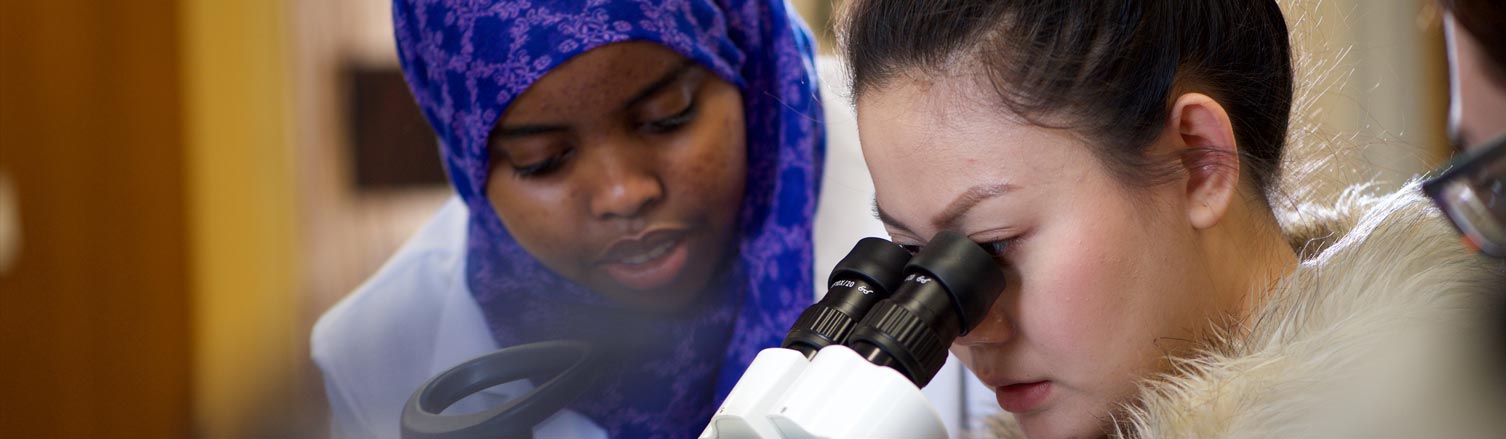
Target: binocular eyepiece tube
point(854, 363)
point(938, 295)
point(869, 273)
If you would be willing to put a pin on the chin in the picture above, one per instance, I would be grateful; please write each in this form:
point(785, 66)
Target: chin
point(668, 300)
point(1054, 425)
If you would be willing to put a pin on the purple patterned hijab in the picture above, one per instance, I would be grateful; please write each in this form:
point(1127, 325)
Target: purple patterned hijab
point(466, 60)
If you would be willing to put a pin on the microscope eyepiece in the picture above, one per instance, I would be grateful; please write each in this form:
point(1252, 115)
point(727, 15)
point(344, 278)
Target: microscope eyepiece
point(869, 273)
point(969, 275)
point(948, 288)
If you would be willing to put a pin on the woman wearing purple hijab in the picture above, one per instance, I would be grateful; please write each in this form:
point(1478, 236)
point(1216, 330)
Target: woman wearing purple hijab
point(640, 175)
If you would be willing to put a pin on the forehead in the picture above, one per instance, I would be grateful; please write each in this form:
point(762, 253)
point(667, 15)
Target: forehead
point(599, 79)
point(944, 130)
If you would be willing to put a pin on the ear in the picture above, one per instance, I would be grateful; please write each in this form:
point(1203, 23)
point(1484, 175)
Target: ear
point(1205, 139)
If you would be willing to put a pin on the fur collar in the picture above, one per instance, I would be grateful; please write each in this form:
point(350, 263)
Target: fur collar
point(1366, 338)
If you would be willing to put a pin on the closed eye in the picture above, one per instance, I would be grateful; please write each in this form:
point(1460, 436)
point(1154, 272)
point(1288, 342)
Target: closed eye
point(544, 167)
point(673, 122)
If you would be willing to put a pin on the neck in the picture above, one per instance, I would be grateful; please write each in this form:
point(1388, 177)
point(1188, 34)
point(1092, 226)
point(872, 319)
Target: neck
point(1254, 263)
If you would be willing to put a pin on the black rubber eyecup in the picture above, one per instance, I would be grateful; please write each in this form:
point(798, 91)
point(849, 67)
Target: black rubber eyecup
point(421, 418)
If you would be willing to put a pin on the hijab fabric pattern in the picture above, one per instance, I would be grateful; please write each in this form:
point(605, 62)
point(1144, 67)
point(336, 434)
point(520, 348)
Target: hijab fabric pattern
point(466, 60)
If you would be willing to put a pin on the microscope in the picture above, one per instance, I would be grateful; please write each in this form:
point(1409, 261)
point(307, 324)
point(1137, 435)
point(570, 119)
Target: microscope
point(852, 366)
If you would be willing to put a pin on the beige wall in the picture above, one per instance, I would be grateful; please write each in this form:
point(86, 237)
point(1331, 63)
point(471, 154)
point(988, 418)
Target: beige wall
point(251, 363)
point(1373, 94)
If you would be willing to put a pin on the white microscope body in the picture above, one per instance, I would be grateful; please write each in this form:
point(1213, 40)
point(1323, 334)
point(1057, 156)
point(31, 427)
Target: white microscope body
point(837, 395)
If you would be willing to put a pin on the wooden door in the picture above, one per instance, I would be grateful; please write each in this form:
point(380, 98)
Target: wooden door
point(95, 338)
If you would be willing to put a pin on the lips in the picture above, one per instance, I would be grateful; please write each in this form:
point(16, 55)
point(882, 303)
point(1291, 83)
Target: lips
point(1022, 397)
point(653, 259)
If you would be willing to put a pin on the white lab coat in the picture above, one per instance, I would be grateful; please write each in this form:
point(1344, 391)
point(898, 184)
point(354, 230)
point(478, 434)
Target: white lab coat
point(416, 318)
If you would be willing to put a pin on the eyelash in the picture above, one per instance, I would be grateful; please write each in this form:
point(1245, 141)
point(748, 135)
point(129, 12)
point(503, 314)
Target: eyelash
point(672, 123)
point(544, 167)
point(997, 249)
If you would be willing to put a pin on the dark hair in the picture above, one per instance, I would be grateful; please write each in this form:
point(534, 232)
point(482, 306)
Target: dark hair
point(1485, 20)
point(1106, 69)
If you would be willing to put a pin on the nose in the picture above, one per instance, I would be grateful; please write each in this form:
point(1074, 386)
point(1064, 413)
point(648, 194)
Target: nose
point(625, 186)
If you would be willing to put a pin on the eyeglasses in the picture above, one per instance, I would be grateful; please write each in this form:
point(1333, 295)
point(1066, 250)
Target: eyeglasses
point(1472, 192)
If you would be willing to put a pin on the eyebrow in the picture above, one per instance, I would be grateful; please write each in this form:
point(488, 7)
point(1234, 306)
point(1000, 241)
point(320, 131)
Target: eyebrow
point(513, 132)
point(952, 214)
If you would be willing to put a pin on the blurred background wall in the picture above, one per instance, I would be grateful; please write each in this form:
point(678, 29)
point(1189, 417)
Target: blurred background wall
point(195, 181)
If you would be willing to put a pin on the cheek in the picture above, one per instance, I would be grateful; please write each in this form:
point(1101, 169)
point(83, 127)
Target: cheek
point(712, 170)
point(1070, 298)
point(1099, 293)
point(544, 220)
